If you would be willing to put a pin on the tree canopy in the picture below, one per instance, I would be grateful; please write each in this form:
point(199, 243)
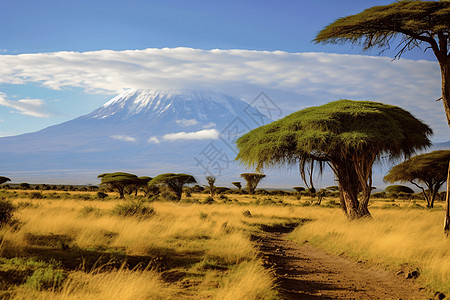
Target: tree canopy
point(175, 182)
point(399, 189)
point(415, 22)
point(348, 135)
point(253, 180)
point(4, 179)
point(429, 169)
point(119, 181)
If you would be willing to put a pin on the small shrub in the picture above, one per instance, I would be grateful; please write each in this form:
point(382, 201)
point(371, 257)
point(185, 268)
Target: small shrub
point(7, 210)
point(247, 213)
point(36, 195)
point(47, 278)
point(209, 200)
point(133, 209)
point(102, 195)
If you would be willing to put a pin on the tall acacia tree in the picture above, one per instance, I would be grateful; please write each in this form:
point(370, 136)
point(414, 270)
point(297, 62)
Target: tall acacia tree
point(175, 182)
point(410, 24)
point(347, 135)
point(429, 169)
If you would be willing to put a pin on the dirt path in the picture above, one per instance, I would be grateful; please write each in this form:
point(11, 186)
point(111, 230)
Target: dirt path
point(306, 272)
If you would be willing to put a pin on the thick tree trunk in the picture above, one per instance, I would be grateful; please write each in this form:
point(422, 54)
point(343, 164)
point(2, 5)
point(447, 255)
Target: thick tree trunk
point(444, 63)
point(349, 187)
point(363, 209)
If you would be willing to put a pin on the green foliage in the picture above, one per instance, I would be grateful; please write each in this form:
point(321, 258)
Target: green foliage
point(25, 186)
point(429, 169)
point(7, 210)
point(299, 189)
point(337, 129)
point(4, 179)
point(399, 189)
point(36, 195)
point(136, 209)
point(46, 278)
point(348, 135)
point(253, 180)
point(119, 181)
point(102, 195)
point(175, 182)
point(237, 184)
point(414, 21)
point(426, 167)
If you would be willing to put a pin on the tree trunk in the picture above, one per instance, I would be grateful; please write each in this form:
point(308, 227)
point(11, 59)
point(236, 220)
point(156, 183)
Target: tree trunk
point(444, 63)
point(349, 187)
point(447, 205)
point(363, 209)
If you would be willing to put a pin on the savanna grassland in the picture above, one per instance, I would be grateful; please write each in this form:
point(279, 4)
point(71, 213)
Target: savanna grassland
point(73, 245)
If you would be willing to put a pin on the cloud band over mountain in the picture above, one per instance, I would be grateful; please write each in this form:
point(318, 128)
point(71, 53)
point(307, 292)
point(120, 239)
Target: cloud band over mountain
point(320, 77)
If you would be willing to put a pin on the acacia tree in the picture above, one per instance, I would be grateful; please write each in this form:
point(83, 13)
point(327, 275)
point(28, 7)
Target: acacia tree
point(429, 169)
point(410, 24)
point(211, 180)
point(347, 135)
point(175, 182)
point(4, 179)
point(119, 181)
point(253, 180)
point(238, 185)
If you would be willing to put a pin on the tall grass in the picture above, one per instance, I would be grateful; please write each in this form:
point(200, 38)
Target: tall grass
point(393, 238)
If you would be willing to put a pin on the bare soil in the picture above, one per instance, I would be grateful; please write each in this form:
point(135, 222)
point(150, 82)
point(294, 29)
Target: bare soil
point(307, 272)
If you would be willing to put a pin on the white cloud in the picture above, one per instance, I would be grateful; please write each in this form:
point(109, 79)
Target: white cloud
point(301, 79)
point(207, 134)
point(153, 140)
point(187, 122)
point(209, 125)
point(124, 138)
point(30, 107)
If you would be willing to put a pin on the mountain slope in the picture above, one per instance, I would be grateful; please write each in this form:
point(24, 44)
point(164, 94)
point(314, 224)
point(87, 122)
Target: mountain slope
point(137, 129)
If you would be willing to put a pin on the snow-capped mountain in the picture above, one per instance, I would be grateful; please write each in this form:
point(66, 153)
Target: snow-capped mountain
point(152, 130)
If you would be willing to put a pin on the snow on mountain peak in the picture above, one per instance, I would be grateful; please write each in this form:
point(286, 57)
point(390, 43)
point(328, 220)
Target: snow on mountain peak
point(158, 101)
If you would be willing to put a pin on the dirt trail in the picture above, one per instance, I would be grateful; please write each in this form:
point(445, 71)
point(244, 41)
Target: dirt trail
point(306, 272)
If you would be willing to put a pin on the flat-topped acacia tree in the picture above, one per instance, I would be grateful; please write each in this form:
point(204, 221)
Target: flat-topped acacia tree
point(409, 24)
point(175, 182)
point(347, 135)
point(429, 169)
point(4, 179)
point(119, 181)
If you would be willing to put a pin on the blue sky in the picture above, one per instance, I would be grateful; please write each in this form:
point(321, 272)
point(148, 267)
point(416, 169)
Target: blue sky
point(61, 59)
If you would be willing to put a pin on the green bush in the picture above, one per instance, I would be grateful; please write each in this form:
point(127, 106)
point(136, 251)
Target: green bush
point(133, 209)
point(47, 278)
point(36, 195)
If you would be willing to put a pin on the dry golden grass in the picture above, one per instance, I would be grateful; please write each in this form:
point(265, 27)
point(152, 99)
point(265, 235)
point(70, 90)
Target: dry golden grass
point(213, 239)
point(394, 238)
point(209, 247)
